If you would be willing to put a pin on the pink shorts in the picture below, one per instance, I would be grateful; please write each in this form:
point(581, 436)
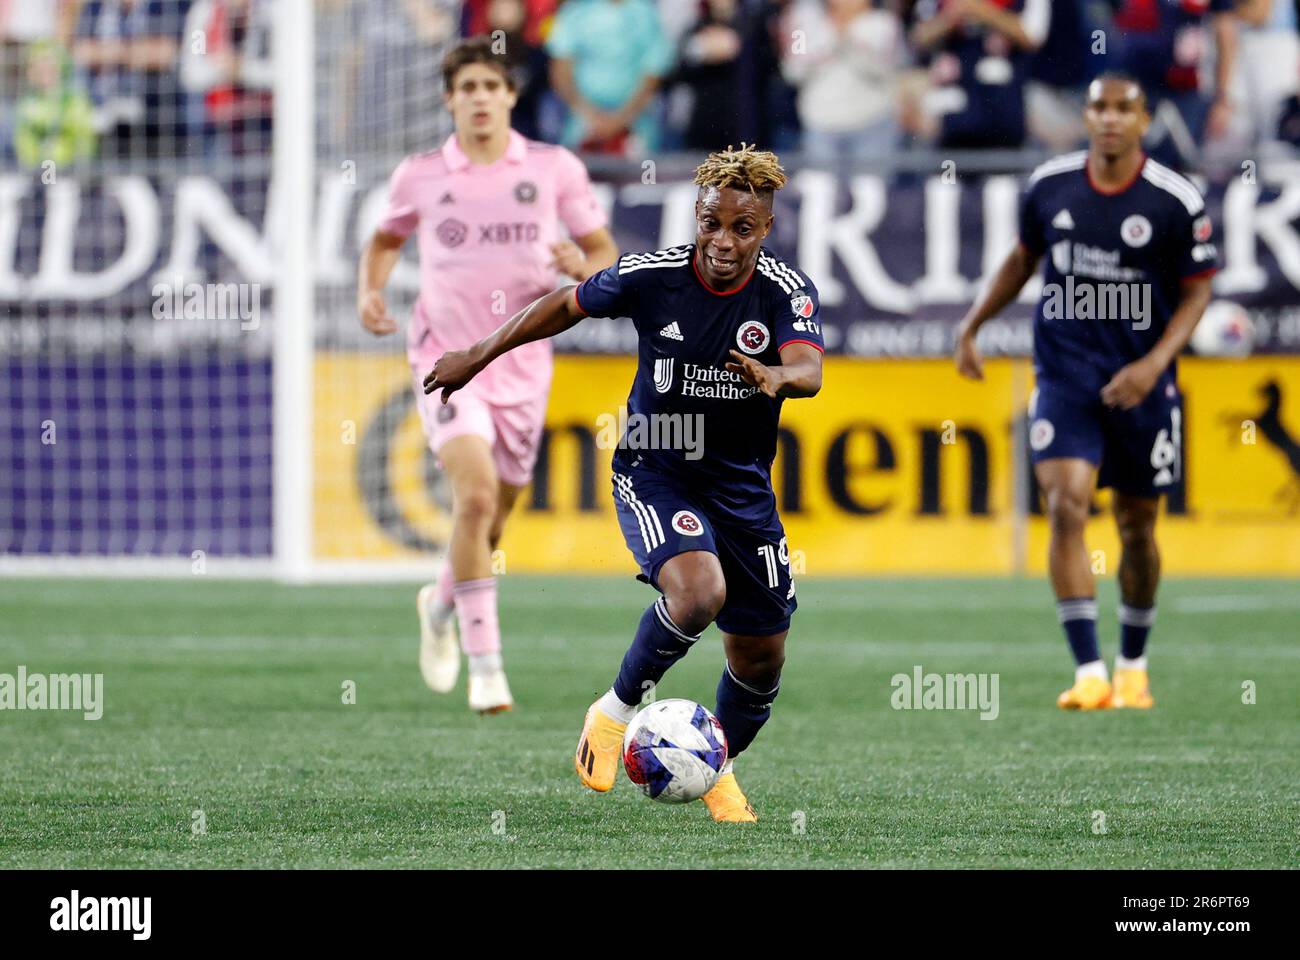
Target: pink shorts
point(513, 432)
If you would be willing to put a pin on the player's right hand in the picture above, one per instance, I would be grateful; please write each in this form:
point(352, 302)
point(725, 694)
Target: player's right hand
point(453, 370)
point(374, 314)
point(969, 362)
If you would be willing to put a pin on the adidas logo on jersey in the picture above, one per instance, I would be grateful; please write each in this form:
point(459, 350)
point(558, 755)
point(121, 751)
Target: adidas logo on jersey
point(1063, 220)
point(672, 332)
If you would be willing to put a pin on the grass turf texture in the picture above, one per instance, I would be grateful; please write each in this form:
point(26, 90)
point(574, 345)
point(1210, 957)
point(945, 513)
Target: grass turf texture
point(226, 697)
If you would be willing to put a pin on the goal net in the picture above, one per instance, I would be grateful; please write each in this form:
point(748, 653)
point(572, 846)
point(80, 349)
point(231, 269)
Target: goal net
point(184, 185)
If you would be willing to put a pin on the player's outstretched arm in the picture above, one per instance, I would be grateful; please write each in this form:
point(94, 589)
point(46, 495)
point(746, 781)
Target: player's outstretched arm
point(1010, 279)
point(546, 316)
point(377, 262)
point(1133, 381)
point(799, 373)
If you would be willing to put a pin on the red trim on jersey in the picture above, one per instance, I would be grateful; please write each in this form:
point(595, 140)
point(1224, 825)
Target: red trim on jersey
point(579, 302)
point(720, 293)
point(809, 342)
point(1087, 168)
point(1208, 272)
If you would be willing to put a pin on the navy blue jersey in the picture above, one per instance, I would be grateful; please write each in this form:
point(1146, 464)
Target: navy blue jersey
point(686, 332)
point(1115, 263)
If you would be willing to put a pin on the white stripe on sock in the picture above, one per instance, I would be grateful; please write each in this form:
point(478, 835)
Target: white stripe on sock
point(1137, 616)
point(661, 611)
point(1083, 608)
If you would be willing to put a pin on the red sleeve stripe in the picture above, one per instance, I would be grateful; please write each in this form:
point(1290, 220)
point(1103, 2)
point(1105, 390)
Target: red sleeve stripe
point(809, 342)
point(579, 302)
point(1209, 272)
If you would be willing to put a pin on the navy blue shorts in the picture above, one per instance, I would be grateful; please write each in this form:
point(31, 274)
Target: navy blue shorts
point(660, 520)
point(1139, 451)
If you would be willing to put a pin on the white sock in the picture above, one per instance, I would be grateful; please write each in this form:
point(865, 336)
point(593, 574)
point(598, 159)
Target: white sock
point(484, 664)
point(1123, 663)
point(726, 767)
point(614, 708)
point(1096, 668)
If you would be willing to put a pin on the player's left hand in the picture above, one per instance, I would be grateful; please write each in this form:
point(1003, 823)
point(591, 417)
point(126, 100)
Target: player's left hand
point(569, 259)
point(1131, 384)
point(454, 369)
point(755, 374)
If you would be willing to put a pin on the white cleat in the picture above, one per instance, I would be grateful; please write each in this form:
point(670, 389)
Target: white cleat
point(439, 647)
point(489, 693)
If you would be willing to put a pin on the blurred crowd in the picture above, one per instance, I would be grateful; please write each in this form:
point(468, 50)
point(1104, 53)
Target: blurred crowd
point(841, 80)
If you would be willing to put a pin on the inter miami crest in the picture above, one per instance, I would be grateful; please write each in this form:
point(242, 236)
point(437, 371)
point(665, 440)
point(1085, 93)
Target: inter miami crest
point(451, 232)
point(525, 191)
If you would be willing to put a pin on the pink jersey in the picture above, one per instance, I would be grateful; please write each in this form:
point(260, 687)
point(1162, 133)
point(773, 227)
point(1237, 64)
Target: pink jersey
point(485, 233)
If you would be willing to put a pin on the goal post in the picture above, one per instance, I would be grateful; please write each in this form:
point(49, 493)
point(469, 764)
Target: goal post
point(293, 178)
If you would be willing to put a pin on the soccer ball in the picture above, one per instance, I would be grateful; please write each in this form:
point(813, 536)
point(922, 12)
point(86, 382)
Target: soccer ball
point(1225, 330)
point(674, 750)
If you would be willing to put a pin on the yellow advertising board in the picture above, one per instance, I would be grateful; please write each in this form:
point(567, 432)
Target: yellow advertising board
point(1239, 512)
point(897, 467)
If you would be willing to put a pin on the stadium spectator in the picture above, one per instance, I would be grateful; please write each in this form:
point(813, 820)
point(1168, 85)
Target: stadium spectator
point(334, 55)
point(1059, 72)
point(392, 74)
point(22, 24)
point(479, 19)
point(1268, 67)
point(718, 67)
point(608, 57)
point(844, 57)
point(1163, 44)
point(507, 21)
point(778, 113)
point(228, 61)
point(979, 53)
point(677, 17)
point(128, 50)
point(54, 119)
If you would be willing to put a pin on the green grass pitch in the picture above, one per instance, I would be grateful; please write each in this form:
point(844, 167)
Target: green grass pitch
point(226, 698)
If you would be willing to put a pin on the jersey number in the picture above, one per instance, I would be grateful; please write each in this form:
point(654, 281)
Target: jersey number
point(1164, 452)
point(771, 557)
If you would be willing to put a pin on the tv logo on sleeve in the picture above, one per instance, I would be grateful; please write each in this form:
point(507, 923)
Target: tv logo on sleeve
point(75, 913)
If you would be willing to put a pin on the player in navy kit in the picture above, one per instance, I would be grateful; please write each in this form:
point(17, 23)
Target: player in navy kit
point(1129, 258)
point(727, 331)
